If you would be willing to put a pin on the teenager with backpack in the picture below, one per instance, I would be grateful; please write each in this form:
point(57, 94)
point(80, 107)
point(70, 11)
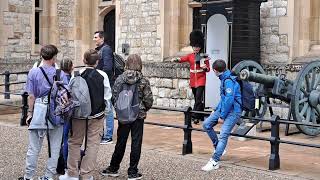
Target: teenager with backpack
point(66, 65)
point(106, 64)
point(227, 112)
point(199, 66)
point(88, 128)
point(38, 89)
point(131, 90)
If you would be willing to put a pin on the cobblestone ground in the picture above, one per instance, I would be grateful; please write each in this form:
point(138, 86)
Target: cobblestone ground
point(155, 164)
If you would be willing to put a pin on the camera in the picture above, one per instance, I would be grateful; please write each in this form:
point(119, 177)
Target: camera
point(200, 56)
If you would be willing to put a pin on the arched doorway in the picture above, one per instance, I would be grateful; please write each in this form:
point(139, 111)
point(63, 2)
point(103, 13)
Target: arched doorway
point(217, 48)
point(109, 26)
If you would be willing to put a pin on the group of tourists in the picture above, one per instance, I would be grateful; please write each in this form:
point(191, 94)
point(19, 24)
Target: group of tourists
point(77, 137)
point(74, 110)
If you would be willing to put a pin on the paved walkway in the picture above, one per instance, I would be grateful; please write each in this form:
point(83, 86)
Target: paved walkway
point(162, 159)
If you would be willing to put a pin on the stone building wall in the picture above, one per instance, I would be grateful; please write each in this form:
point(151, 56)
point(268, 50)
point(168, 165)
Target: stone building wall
point(140, 24)
point(17, 49)
point(169, 84)
point(15, 39)
point(16, 34)
point(66, 25)
point(140, 27)
point(274, 45)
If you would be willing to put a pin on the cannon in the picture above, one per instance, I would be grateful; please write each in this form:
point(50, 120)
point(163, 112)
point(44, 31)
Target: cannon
point(302, 94)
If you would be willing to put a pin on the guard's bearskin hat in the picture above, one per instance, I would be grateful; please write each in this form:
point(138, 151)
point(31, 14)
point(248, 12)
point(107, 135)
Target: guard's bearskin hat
point(196, 39)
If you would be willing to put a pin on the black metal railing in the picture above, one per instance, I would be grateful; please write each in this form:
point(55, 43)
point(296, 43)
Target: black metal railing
point(275, 121)
point(274, 139)
point(7, 82)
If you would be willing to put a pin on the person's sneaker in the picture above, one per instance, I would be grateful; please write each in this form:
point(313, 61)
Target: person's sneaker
point(44, 178)
point(67, 177)
point(91, 178)
point(211, 165)
point(134, 176)
point(108, 172)
point(106, 141)
point(23, 178)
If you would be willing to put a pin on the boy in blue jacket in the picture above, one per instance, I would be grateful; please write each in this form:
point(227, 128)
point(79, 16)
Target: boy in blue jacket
point(227, 112)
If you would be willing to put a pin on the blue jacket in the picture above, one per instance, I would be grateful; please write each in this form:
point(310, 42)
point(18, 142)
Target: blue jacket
point(230, 94)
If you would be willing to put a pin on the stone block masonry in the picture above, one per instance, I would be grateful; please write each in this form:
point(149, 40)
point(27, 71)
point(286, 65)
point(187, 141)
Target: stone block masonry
point(169, 84)
point(66, 23)
point(139, 22)
point(16, 41)
point(16, 38)
point(274, 46)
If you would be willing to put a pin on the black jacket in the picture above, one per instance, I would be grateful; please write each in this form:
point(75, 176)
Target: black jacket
point(106, 62)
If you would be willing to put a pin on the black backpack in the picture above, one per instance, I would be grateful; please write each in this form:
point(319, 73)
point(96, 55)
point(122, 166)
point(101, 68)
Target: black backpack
point(118, 65)
point(247, 94)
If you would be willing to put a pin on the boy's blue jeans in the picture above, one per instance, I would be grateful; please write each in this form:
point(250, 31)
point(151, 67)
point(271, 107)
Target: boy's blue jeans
point(66, 129)
point(226, 128)
point(108, 125)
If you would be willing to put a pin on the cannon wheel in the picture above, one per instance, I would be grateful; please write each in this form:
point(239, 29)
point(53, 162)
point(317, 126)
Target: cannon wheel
point(253, 66)
point(303, 107)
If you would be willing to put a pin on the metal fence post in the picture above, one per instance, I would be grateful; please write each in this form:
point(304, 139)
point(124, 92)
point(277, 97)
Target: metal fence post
point(7, 85)
point(24, 108)
point(274, 160)
point(187, 143)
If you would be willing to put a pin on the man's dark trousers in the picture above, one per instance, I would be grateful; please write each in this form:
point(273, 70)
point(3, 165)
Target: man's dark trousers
point(198, 94)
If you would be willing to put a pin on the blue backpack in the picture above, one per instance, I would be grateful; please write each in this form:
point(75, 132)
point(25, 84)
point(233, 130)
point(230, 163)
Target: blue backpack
point(247, 95)
point(58, 110)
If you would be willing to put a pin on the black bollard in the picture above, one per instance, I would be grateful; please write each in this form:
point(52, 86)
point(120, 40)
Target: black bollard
point(187, 143)
point(7, 85)
point(24, 109)
point(274, 160)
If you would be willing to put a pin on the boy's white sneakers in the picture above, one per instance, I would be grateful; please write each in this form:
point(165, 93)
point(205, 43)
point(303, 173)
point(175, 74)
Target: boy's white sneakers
point(211, 165)
point(67, 177)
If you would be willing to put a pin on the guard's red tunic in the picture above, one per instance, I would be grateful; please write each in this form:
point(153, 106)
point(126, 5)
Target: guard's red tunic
point(197, 74)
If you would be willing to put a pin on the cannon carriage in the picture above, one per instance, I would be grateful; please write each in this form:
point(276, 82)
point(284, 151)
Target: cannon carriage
point(302, 94)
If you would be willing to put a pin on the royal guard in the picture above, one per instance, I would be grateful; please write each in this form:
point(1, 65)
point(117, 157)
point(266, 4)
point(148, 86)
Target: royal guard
point(199, 66)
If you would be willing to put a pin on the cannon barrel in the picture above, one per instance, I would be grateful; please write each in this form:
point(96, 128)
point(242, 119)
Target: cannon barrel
point(267, 80)
point(302, 94)
point(245, 74)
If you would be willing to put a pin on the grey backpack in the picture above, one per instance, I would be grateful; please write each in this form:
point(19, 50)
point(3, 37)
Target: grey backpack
point(80, 93)
point(127, 103)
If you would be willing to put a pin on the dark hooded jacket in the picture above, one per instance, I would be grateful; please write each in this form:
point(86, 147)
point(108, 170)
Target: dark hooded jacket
point(106, 62)
point(144, 89)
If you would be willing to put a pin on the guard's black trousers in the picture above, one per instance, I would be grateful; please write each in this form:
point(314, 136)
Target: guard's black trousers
point(123, 131)
point(198, 94)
